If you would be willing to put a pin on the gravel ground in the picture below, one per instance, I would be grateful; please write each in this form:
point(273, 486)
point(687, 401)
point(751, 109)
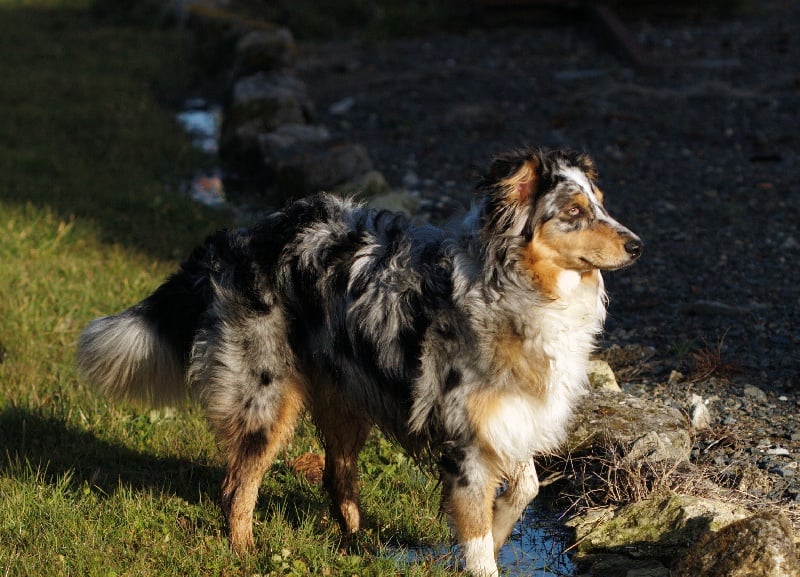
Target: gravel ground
point(698, 155)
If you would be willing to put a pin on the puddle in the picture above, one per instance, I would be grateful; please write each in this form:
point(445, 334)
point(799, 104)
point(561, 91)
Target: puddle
point(536, 548)
point(207, 189)
point(202, 122)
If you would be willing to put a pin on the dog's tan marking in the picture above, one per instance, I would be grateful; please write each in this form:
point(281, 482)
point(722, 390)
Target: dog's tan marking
point(522, 184)
point(551, 251)
point(249, 456)
point(543, 263)
point(343, 433)
point(523, 486)
point(517, 365)
point(469, 509)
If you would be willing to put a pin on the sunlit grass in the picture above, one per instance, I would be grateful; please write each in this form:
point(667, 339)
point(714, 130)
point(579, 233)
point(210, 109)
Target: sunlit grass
point(90, 222)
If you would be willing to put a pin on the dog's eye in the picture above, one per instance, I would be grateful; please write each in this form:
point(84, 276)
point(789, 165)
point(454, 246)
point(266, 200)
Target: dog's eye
point(574, 211)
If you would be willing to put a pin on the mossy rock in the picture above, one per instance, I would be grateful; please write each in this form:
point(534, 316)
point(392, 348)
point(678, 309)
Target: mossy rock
point(658, 527)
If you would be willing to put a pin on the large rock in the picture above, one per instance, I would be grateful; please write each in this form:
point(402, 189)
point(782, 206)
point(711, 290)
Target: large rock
point(601, 376)
point(659, 526)
point(279, 98)
point(260, 104)
point(622, 566)
point(288, 140)
point(314, 169)
point(758, 546)
point(639, 429)
point(264, 51)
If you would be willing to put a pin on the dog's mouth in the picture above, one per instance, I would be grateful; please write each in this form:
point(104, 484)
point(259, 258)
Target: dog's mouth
point(607, 267)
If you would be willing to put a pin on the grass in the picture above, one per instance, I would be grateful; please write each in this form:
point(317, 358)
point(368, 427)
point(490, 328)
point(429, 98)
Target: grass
point(90, 222)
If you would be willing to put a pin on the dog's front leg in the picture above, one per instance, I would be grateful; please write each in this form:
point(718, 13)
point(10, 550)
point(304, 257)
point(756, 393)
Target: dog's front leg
point(523, 486)
point(468, 503)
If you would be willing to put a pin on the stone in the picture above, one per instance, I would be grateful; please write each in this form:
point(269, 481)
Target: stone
point(396, 201)
point(762, 545)
point(710, 308)
point(264, 50)
point(260, 104)
point(342, 106)
point(372, 186)
point(659, 526)
point(275, 98)
point(601, 376)
point(316, 169)
point(637, 427)
point(753, 392)
point(621, 566)
point(281, 144)
point(675, 377)
point(699, 414)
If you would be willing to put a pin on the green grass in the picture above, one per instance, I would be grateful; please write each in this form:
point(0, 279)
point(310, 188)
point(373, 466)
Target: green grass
point(90, 222)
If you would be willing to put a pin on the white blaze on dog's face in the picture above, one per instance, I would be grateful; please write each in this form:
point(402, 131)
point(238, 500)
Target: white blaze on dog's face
point(574, 231)
point(565, 226)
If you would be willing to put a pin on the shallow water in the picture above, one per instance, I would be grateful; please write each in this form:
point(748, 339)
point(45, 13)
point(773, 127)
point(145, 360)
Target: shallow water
point(536, 548)
point(202, 122)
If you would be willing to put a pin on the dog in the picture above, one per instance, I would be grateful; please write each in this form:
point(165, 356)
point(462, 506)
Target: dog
point(467, 345)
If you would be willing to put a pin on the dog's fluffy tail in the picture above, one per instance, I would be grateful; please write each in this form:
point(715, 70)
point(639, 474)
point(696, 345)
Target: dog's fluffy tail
point(142, 353)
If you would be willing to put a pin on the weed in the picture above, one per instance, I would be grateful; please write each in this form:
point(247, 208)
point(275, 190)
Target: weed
point(709, 361)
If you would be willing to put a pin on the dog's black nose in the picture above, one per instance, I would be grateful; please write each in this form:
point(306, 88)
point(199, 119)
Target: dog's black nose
point(634, 247)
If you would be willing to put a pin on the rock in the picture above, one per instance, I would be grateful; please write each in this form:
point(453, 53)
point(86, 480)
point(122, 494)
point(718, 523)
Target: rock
point(260, 104)
point(758, 546)
point(275, 98)
point(400, 201)
point(342, 106)
point(316, 169)
point(656, 527)
point(373, 185)
point(264, 51)
point(281, 144)
point(638, 428)
point(709, 308)
point(699, 413)
point(675, 377)
point(601, 376)
point(790, 243)
point(753, 392)
point(622, 566)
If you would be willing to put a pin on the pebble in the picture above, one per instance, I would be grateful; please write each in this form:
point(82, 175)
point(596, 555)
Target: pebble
point(753, 392)
point(699, 413)
point(342, 106)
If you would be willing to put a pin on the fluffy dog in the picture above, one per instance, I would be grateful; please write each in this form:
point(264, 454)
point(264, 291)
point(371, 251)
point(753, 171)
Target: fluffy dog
point(468, 345)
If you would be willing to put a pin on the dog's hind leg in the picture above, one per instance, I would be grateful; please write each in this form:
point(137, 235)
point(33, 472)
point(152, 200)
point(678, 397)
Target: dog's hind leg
point(467, 500)
point(250, 451)
point(523, 486)
point(343, 434)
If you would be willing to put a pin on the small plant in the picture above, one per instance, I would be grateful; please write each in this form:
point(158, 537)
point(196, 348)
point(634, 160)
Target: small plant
point(709, 361)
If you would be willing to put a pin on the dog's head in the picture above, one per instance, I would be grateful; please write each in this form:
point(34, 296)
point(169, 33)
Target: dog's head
point(550, 203)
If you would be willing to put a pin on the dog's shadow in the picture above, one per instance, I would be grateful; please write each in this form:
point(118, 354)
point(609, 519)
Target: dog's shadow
point(55, 453)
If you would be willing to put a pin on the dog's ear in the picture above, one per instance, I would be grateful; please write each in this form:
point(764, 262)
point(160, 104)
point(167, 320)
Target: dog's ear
point(586, 164)
point(515, 176)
